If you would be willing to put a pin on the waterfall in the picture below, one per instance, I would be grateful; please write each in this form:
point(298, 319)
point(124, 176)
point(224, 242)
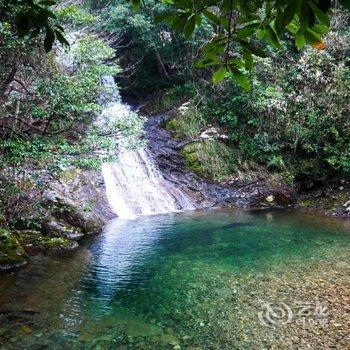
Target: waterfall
point(134, 185)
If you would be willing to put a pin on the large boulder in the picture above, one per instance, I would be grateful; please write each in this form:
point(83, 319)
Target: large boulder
point(66, 210)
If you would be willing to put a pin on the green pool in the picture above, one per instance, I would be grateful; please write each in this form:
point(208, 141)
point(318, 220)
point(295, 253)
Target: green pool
point(197, 280)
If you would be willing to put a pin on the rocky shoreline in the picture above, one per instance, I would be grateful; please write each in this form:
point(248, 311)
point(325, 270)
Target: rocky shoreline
point(73, 207)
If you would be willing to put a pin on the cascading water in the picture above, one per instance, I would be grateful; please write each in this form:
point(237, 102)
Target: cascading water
point(134, 185)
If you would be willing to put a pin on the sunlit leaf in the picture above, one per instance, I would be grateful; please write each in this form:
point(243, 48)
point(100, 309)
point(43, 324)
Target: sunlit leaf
point(219, 75)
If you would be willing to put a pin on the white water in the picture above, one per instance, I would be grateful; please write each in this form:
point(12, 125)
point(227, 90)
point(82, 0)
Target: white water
point(134, 185)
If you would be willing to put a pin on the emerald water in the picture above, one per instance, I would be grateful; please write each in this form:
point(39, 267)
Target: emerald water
point(184, 281)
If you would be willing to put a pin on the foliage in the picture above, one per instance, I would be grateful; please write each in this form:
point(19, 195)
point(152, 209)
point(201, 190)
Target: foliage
point(149, 49)
point(295, 119)
point(74, 15)
point(32, 18)
point(240, 25)
point(189, 123)
point(55, 120)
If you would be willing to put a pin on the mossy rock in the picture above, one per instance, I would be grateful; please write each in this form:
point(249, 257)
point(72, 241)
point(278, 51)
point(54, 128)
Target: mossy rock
point(209, 158)
point(69, 212)
point(35, 241)
point(184, 126)
point(12, 254)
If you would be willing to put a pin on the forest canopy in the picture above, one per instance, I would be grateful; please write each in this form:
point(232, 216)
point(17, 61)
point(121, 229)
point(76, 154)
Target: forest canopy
point(239, 26)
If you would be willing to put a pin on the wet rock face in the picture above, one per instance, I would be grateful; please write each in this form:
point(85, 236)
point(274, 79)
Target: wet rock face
point(12, 255)
point(327, 201)
point(243, 194)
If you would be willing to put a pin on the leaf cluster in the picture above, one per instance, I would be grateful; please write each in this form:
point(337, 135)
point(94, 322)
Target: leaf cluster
point(242, 27)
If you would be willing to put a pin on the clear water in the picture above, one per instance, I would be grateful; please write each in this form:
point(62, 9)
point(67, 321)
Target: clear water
point(181, 280)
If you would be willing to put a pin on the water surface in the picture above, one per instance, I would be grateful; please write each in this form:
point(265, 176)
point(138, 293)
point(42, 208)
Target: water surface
point(183, 280)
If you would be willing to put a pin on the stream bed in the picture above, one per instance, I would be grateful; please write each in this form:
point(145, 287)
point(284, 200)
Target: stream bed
point(218, 279)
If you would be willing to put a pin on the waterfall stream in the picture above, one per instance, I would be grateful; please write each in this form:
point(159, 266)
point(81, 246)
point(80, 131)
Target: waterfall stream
point(134, 184)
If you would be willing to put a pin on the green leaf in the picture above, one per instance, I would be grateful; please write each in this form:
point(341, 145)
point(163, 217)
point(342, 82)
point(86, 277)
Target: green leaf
point(189, 27)
point(294, 26)
point(323, 17)
point(253, 48)
point(272, 36)
point(179, 22)
point(241, 79)
point(22, 23)
point(248, 58)
point(219, 75)
point(247, 30)
point(211, 16)
point(300, 40)
point(49, 39)
point(307, 16)
point(261, 34)
point(321, 29)
point(208, 62)
point(61, 38)
point(312, 37)
point(285, 17)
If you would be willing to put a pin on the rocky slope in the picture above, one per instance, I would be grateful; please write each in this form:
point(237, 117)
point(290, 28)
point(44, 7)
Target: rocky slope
point(244, 194)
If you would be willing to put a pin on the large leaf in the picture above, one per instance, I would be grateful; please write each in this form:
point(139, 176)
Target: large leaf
point(272, 36)
point(241, 79)
point(212, 17)
point(219, 75)
point(300, 40)
point(247, 30)
point(322, 17)
point(189, 27)
point(286, 17)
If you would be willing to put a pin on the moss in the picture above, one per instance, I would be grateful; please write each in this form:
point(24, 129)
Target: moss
point(210, 158)
point(69, 175)
point(11, 252)
point(34, 240)
point(190, 124)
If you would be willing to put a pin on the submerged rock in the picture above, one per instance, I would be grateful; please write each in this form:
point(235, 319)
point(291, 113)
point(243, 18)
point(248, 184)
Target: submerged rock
point(12, 255)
